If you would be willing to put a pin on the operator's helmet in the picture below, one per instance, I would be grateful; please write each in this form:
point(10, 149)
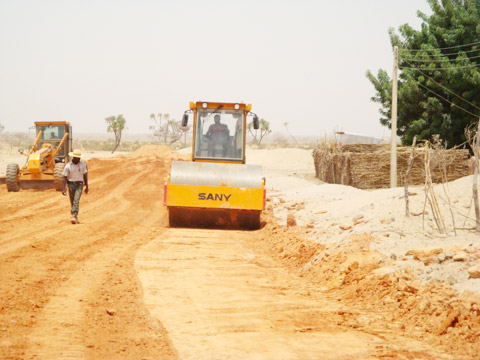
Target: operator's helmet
point(216, 118)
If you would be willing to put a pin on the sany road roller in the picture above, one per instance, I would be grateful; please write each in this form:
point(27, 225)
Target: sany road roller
point(216, 188)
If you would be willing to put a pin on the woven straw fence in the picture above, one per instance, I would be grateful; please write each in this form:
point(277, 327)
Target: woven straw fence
point(367, 166)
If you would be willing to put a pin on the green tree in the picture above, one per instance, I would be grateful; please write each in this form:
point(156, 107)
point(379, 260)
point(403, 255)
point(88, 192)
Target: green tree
point(116, 124)
point(438, 88)
point(258, 135)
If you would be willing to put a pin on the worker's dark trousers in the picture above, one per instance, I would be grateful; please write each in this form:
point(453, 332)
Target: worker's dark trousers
point(75, 191)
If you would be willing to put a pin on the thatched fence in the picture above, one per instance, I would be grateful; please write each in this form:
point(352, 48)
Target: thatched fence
point(367, 166)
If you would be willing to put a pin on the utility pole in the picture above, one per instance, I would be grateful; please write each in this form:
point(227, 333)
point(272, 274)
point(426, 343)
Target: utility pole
point(393, 151)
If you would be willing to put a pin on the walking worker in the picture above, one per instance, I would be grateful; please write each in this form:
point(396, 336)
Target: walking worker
point(75, 174)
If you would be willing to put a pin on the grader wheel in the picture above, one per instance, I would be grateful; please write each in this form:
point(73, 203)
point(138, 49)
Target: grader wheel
point(58, 176)
point(12, 177)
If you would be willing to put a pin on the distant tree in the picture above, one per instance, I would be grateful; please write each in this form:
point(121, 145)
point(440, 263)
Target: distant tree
point(1, 128)
point(18, 140)
point(185, 130)
point(280, 139)
point(157, 119)
point(289, 133)
point(259, 134)
point(165, 129)
point(116, 124)
point(437, 63)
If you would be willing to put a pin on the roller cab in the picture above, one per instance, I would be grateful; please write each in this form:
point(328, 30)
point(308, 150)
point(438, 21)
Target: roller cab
point(216, 189)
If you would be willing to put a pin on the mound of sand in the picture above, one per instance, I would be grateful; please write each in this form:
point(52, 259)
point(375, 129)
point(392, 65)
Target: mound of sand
point(151, 150)
point(157, 152)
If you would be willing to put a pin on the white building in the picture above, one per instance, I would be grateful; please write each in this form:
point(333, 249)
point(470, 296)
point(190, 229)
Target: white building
point(351, 138)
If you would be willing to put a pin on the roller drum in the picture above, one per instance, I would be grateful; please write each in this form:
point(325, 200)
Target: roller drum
point(216, 174)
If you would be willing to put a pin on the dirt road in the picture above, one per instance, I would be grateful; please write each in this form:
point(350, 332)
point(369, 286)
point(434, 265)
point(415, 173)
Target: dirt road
point(219, 298)
point(58, 280)
point(121, 285)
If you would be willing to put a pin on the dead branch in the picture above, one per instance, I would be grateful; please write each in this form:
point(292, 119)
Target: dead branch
point(443, 163)
point(475, 178)
point(430, 196)
point(407, 176)
point(468, 213)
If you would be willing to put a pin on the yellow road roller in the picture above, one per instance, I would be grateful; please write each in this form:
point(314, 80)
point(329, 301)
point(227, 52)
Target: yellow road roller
point(216, 188)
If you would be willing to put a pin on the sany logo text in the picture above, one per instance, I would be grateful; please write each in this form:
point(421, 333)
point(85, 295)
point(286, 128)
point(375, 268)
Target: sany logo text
point(214, 197)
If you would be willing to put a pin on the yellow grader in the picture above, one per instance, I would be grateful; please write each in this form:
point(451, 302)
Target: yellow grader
point(46, 158)
point(216, 188)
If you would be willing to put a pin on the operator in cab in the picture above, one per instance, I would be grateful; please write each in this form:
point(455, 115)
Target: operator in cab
point(218, 134)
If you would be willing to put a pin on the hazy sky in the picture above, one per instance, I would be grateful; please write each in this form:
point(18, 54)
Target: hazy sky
point(301, 62)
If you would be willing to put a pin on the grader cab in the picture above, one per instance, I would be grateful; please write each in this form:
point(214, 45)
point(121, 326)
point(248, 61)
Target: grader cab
point(46, 158)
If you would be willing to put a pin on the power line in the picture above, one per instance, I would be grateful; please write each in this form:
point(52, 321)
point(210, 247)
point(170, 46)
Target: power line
point(450, 91)
point(444, 48)
point(451, 103)
point(441, 97)
point(447, 54)
point(438, 60)
point(443, 68)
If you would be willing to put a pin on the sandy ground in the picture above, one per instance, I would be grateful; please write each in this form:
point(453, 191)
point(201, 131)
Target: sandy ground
point(333, 213)
point(121, 285)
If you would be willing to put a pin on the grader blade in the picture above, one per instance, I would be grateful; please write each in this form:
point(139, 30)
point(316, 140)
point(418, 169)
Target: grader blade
point(36, 184)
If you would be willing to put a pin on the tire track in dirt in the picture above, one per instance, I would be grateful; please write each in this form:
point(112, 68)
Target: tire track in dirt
point(45, 201)
point(64, 314)
point(57, 275)
point(106, 206)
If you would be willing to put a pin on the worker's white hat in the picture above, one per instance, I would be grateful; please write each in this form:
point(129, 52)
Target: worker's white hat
point(75, 153)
